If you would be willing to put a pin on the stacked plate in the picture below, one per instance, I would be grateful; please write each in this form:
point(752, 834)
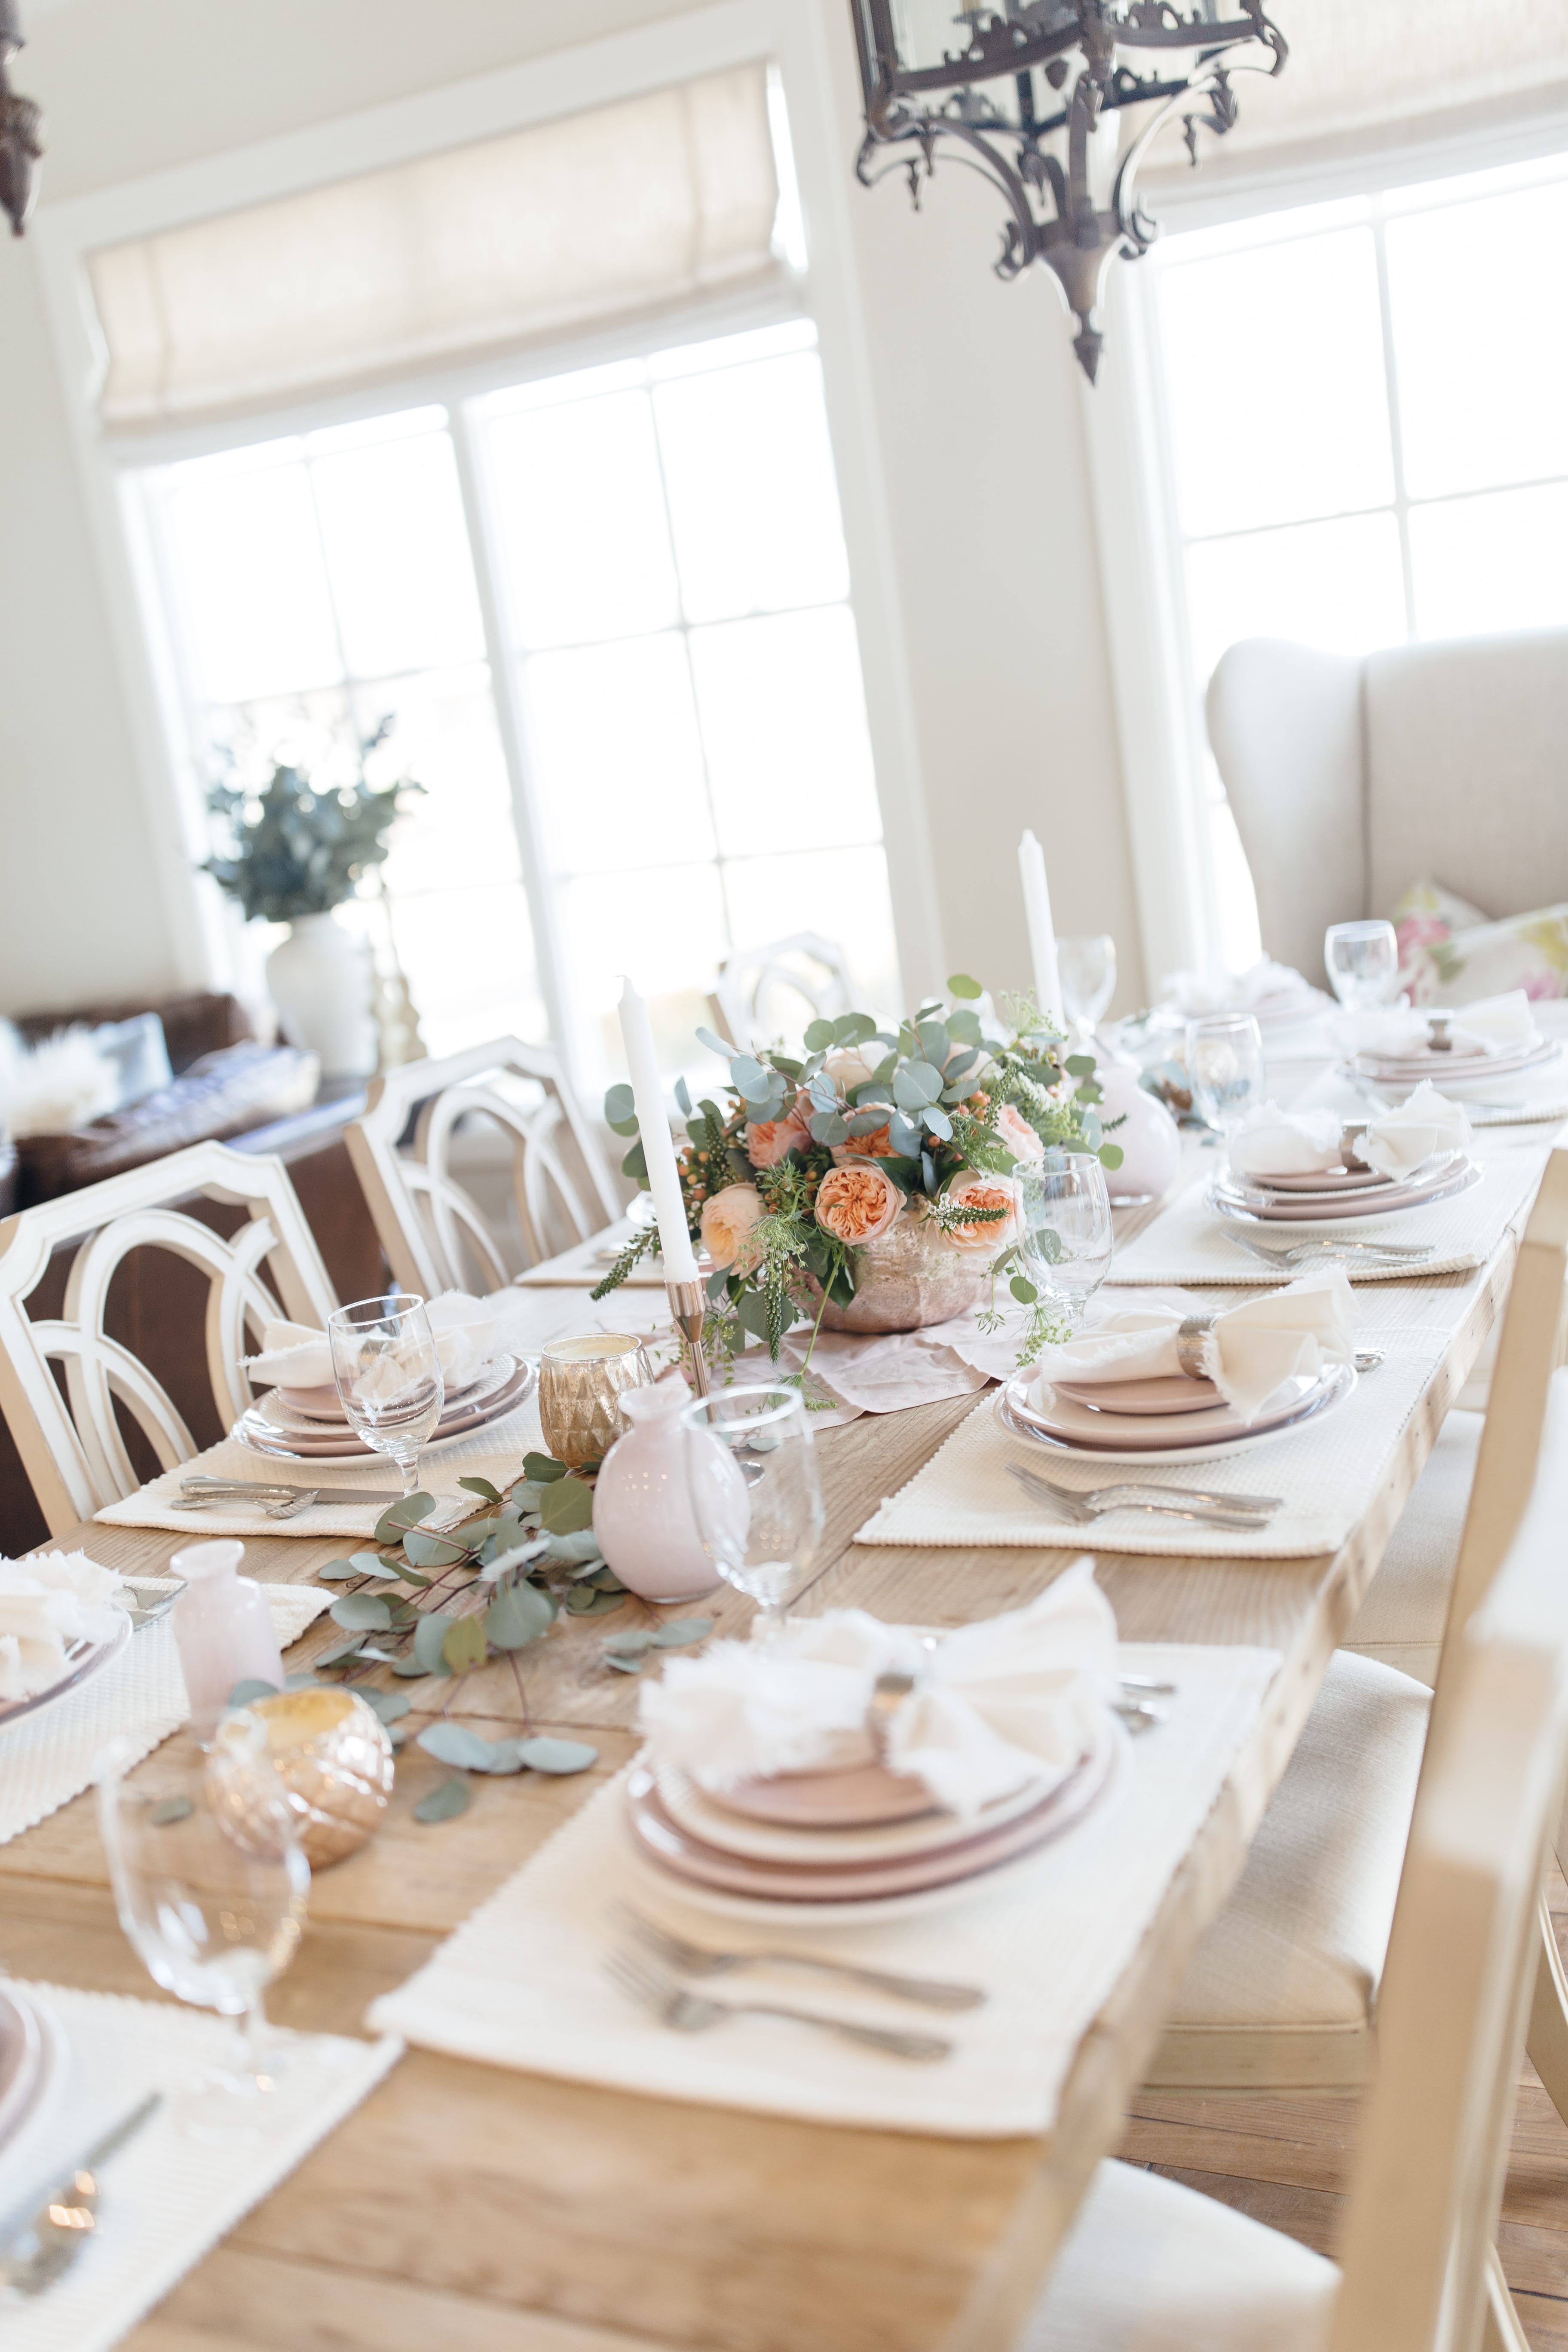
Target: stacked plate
point(82, 1660)
point(1340, 1193)
point(1156, 1420)
point(1454, 1070)
point(846, 1843)
point(33, 2060)
point(310, 1425)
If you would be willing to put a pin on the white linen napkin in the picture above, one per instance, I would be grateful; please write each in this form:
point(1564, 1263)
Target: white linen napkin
point(1492, 1024)
point(45, 1604)
point(293, 1356)
point(1274, 1142)
point(1247, 1351)
point(466, 1331)
point(1266, 986)
point(1400, 1142)
point(1015, 1697)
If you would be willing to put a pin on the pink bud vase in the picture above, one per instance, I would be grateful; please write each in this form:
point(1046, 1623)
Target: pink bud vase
point(642, 1510)
point(1150, 1139)
point(223, 1628)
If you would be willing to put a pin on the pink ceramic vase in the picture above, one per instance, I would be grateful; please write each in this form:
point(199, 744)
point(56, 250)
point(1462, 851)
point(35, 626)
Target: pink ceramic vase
point(642, 1510)
point(1150, 1139)
point(223, 1629)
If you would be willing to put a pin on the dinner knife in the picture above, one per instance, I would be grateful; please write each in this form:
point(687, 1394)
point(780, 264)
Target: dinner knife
point(239, 1490)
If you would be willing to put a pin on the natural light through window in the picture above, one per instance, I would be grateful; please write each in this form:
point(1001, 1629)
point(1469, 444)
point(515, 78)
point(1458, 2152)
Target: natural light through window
point(1367, 409)
point(665, 711)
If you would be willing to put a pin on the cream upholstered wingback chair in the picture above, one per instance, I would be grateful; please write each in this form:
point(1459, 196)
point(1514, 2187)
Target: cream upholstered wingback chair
point(1351, 778)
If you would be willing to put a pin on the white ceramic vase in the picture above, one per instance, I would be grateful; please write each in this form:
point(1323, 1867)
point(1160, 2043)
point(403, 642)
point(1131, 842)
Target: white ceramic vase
point(1150, 1139)
point(321, 980)
point(642, 1510)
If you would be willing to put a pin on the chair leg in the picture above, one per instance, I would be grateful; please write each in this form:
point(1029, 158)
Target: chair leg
point(1503, 2331)
point(1547, 2040)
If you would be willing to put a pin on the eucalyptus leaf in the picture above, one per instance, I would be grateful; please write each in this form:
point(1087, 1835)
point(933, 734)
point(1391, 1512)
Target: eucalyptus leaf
point(519, 1615)
point(675, 1636)
point(373, 1563)
point(556, 1756)
point(390, 1705)
point(482, 1487)
point(938, 1124)
point(635, 1640)
point(866, 1122)
point(915, 1085)
point(714, 1045)
point(339, 1571)
point(362, 1612)
point(624, 1662)
point(171, 1808)
point(406, 1512)
point(683, 1093)
point(1081, 1065)
point(253, 1687)
point(410, 1669)
point(429, 1639)
point(1110, 1156)
point(567, 1507)
point(573, 1551)
point(464, 1645)
point(635, 1164)
point(853, 1029)
point(524, 1496)
point(406, 1575)
point(342, 1650)
point(542, 1469)
point(960, 984)
point(935, 1043)
point(620, 1103)
point(519, 1555)
point(1022, 1290)
point(435, 1551)
point(454, 1743)
point(818, 1038)
point(451, 1798)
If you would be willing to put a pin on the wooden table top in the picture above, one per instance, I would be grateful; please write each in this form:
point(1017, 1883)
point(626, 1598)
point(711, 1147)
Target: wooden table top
point(497, 2211)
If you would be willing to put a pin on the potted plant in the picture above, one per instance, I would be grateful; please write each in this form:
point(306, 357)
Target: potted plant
point(293, 853)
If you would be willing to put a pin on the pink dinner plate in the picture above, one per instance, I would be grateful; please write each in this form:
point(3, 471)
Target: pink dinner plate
point(319, 1405)
point(1321, 1179)
point(33, 2057)
point(1453, 1173)
point(660, 1839)
point(1176, 1393)
point(705, 1817)
point(1071, 1423)
point(83, 1659)
point(865, 1794)
point(260, 1434)
point(1434, 1066)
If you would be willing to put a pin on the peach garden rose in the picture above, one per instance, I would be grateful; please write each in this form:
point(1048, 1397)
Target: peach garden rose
point(1017, 1134)
point(727, 1222)
point(857, 1201)
point(991, 1233)
point(769, 1140)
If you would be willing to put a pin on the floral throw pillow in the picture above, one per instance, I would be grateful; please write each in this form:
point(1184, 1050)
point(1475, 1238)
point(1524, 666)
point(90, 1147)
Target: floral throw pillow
point(1449, 953)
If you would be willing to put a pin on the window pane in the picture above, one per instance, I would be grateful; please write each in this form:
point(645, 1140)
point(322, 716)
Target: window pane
point(617, 761)
point(672, 936)
point(1491, 563)
point(469, 955)
point(1328, 583)
point(783, 720)
point(397, 554)
point(1278, 402)
point(842, 893)
point(581, 510)
point(748, 470)
point(446, 736)
point(252, 586)
point(1480, 332)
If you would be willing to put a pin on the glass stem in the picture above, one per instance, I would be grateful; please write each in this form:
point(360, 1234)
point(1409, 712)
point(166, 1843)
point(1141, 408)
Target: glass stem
point(258, 2040)
point(409, 1467)
point(771, 1616)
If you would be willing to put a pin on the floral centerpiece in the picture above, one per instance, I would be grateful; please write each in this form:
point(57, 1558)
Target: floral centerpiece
point(871, 1184)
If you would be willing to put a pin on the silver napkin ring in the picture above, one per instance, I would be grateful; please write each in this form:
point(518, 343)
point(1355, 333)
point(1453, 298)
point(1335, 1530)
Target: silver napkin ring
point(1190, 1337)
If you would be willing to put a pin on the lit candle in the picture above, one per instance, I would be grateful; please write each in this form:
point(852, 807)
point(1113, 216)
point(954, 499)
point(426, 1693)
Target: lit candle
point(658, 1147)
point(1042, 938)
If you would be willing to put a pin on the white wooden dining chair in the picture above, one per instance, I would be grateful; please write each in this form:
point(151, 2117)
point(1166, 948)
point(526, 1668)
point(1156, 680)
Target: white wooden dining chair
point(762, 994)
point(1283, 1992)
point(436, 1234)
point(71, 1439)
point(1150, 2267)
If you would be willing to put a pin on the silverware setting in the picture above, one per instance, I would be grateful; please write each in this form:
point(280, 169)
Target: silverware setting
point(641, 1978)
point(151, 1610)
point(276, 1500)
point(689, 1959)
point(1326, 1253)
point(1139, 1714)
point(1200, 1511)
point(42, 2247)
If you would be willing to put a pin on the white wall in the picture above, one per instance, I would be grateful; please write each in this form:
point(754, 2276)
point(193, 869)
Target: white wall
point(975, 405)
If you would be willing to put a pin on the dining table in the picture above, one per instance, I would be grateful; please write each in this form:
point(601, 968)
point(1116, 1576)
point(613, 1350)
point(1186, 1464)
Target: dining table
point(490, 2209)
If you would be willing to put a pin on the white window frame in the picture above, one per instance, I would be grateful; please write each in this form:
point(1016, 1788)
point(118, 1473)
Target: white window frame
point(1142, 545)
point(792, 35)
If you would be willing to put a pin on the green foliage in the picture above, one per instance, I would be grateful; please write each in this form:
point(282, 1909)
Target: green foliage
point(291, 850)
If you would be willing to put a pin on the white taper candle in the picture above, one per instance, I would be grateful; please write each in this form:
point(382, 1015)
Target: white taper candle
point(658, 1147)
point(1042, 937)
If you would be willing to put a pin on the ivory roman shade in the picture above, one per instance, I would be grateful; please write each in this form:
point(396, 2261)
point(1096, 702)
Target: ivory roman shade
point(1369, 77)
point(627, 209)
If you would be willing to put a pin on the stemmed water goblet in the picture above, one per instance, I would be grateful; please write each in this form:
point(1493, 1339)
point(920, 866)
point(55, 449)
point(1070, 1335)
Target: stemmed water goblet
point(1086, 969)
point(1362, 963)
point(210, 1885)
point(388, 1376)
point(1225, 1068)
point(755, 1494)
point(1065, 1237)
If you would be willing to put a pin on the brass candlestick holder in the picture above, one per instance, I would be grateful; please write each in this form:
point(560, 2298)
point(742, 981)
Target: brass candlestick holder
point(688, 1304)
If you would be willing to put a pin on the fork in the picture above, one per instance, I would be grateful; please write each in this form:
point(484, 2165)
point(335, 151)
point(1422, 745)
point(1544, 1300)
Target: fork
point(1078, 1508)
point(691, 2012)
point(1324, 1253)
point(701, 1960)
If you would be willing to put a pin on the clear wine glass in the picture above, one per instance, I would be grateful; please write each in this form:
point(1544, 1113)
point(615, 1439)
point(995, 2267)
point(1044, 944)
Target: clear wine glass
point(1086, 969)
point(755, 1494)
point(1363, 961)
point(388, 1376)
point(211, 1886)
point(1226, 1067)
point(1066, 1237)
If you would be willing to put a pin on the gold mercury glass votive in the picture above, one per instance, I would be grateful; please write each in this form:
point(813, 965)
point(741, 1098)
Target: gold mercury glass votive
point(332, 1755)
point(580, 1383)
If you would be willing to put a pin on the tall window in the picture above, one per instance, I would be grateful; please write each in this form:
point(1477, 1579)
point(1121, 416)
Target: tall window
point(1367, 409)
point(607, 614)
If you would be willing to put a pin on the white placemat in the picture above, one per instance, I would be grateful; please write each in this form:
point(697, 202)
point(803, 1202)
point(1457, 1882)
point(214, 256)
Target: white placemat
point(165, 2197)
point(47, 1759)
point(522, 1983)
point(494, 1452)
point(589, 1262)
point(1191, 1243)
point(1328, 1471)
point(1527, 1100)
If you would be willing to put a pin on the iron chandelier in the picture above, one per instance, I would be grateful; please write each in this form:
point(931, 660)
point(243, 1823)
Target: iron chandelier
point(1031, 95)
